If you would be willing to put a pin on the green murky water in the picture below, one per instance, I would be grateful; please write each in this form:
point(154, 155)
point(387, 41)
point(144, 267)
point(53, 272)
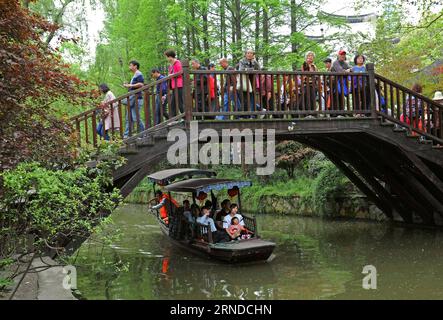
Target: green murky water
point(315, 259)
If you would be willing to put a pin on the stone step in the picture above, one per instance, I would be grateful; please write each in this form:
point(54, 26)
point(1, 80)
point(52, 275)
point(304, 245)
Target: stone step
point(145, 142)
point(128, 151)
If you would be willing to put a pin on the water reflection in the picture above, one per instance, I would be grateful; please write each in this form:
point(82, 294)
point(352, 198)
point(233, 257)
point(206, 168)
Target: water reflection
point(315, 259)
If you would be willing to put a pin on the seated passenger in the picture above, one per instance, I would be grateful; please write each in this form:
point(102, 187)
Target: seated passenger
point(187, 211)
point(234, 213)
point(236, 230)
point(204, 219)
point(195, 212)
point(220, 215)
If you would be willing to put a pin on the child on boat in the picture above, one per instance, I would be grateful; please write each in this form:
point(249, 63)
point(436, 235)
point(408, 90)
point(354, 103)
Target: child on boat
point(236, 230)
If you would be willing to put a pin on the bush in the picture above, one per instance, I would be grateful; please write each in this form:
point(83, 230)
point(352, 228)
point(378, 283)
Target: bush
point(50, 207)
point(329, 184)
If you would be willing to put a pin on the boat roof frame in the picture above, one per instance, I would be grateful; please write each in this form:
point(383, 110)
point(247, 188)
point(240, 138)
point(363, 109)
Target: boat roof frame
point(166, 177)
point(206, 185)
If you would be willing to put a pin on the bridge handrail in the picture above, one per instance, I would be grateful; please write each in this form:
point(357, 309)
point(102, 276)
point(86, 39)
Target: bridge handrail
point(409, 109)
point(127, 95)
point(281, 73)
point(409, 91)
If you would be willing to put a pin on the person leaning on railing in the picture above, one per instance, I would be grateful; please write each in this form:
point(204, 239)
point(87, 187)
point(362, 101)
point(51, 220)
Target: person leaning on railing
point(231, 95)
point(201, 88)
point(176, 84)
point(339, 66)
point(137, 82)
point(361, 93)
point(161, 93)
point(110, 119)
point(413, 109)
point(247, 84)
point(309, 82)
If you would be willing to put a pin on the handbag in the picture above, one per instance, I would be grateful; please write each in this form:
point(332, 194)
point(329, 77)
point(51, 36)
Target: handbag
point(245, 83)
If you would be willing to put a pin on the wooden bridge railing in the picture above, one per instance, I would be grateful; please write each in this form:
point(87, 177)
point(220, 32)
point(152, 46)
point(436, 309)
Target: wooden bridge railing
point(409, 109)
point(131, 113)
point(232, 95)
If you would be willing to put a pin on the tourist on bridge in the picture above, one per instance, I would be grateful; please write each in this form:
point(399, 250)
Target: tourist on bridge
point(176, 83)
point(326, 97)
point(339, 85)
point(161, 94)
point(110, 119)
point(309, 83)
point(231, 95)
point(341, 65)
point(213, 88)
point(246, 84)
point(361, 93)
point(435, 121)
point(328, 64)
point(266, 91)
point(201, 87)
point(413, 109)
point(290, 96)
point(135, 100)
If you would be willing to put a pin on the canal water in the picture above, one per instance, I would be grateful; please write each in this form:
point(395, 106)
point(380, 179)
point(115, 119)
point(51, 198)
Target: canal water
point(314, 259)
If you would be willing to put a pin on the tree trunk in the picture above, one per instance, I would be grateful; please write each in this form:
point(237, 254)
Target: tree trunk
point(257, 27)
point(223, 34)
point(294, 47)
point(266, 41)
point(238, 31)
point(205, 34)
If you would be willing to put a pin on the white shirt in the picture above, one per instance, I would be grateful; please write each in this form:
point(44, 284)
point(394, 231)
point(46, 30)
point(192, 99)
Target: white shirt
point(207, 222)
point(227, 220)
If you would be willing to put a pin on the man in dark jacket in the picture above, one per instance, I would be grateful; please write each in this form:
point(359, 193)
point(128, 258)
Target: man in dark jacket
point(200, 87)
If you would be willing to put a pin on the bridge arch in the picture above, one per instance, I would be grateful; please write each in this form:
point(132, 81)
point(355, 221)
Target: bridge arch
point(363, 132)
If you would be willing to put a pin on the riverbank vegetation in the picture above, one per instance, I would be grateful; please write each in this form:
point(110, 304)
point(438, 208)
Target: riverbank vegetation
point(303, 176)
point(48, 193)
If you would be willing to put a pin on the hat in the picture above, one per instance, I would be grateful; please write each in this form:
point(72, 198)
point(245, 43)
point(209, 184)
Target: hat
point(438, 96)
point(327, 60)
point(211, 65)
point(341, 52)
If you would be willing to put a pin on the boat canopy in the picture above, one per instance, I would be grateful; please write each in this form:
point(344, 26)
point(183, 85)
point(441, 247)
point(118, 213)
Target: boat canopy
point(206, 185)
point(166, 177)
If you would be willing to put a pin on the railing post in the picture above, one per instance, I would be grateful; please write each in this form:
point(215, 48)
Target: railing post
point(371, 70)
point(187, 92)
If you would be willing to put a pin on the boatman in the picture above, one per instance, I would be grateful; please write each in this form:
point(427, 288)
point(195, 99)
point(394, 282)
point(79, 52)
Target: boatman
point(165, 204)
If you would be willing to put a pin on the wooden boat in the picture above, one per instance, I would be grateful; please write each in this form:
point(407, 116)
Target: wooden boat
point(199, 239)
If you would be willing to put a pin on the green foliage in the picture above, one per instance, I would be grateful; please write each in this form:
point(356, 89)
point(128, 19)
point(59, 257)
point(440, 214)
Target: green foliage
point(329, 184)
point(51, 206)
point(404, 52)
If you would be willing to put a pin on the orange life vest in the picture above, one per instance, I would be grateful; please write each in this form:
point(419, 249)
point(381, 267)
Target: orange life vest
point(164, 209)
